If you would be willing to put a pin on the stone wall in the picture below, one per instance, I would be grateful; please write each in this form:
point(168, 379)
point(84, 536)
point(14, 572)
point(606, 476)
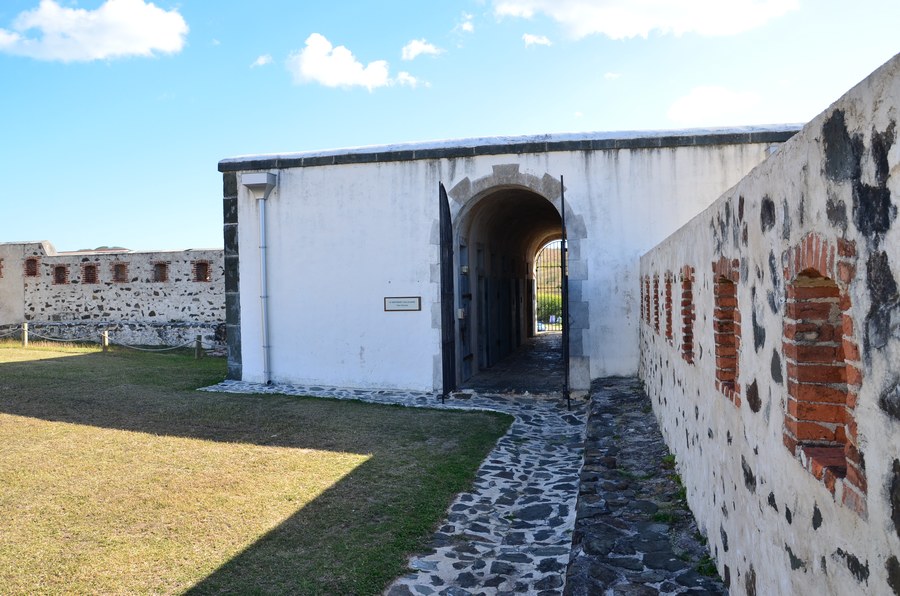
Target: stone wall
point(770, 347)
point(141, 298)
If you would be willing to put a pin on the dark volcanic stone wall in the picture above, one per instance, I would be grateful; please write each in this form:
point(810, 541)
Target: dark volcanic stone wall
point(792, 468)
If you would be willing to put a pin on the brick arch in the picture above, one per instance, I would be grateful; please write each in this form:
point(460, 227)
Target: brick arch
point(656, 302)
point(832, 259)
point(824, 368)
point(687, 314)
point(727, 327)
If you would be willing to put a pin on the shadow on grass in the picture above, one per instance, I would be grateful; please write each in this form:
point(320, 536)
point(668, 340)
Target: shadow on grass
point(353, 537)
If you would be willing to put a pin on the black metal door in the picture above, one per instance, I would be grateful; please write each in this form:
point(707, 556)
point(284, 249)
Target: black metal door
point(448, 330)
point(563, 260)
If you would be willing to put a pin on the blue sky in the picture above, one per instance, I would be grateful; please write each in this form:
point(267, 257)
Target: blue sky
point(115, 113)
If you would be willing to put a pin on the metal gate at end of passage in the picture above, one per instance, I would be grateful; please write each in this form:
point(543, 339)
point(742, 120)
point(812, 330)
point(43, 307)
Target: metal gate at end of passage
point(548, 288)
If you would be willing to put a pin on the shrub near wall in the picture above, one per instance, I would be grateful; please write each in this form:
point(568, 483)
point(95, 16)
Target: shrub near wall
point(790, 311)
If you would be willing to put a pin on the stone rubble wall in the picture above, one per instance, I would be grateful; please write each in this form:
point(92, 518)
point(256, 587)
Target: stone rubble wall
point(770, 348)
point(136, 309)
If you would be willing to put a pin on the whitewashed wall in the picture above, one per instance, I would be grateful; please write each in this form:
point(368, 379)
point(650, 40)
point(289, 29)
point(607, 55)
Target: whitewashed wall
point(342, 237)
point(773, 526)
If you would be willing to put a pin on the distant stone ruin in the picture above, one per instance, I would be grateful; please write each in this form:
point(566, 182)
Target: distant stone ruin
point(163, 298)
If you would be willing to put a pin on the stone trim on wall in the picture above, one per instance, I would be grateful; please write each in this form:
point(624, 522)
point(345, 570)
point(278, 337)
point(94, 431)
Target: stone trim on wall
point(232, 274)
point(511, 146)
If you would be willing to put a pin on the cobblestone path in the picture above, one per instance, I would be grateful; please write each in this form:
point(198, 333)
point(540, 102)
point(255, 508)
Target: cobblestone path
point(516, 531)
point(513, 532)
point(634, 533)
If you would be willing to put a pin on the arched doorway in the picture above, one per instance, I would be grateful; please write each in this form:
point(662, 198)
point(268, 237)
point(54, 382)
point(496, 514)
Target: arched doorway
point(548, 288)
point(498, 236)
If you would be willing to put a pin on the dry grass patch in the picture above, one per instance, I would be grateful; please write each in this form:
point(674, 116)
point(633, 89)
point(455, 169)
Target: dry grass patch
point(118, 478)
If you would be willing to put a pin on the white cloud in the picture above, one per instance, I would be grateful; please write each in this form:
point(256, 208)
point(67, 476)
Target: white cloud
point(466, 24)
point(712, 105)
point(611, 76)
point(536, 40)
point(404, 78)
point(417, 47)
point(262, 61)
point(118, 28)
point(621, 19)
point(321, 62)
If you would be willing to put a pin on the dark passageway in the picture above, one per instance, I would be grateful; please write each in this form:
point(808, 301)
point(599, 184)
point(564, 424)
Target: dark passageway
point(500, 345)
point(536, 367)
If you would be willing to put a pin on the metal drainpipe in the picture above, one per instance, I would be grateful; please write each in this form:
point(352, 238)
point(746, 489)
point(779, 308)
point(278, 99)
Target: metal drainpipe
point(261, 186)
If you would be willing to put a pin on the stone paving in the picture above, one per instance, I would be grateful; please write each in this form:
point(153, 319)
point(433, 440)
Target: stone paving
point(634, 533)
point(535, 367)
point(513, 533)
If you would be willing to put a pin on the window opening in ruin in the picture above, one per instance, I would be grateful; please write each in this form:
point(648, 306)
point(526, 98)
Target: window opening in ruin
point(120, 272)
point(160, 272)
point(60, 274)
point(31, 267)
point(726, 333)
point(548, 287)
point(89, 274)
point(201, 271)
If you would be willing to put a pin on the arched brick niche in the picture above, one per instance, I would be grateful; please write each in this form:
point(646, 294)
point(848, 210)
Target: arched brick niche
point(727, 327)
point(647, 299)
point(824, 369)
point(656, 302)
point(668, 306)
point(687, 314)
point(641, 285)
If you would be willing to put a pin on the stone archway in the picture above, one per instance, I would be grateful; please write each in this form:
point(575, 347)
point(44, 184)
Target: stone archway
point(511, 215)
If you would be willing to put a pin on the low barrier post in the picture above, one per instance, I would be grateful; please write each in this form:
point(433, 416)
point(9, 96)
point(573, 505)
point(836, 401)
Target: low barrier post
point(104, 340)
point(198, 348)
point(24, 335)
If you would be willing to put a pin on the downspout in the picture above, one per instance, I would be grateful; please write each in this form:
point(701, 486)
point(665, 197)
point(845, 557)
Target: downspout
point(261, 185)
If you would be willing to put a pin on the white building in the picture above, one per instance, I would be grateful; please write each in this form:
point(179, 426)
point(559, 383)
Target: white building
point(349, 233)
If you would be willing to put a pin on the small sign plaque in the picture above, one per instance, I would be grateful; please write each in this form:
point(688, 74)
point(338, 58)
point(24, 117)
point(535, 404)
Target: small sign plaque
point(402, 303)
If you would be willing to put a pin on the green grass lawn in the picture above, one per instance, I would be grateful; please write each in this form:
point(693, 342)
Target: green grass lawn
point(118, 477)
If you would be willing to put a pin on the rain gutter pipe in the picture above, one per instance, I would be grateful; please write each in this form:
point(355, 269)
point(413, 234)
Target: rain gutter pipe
point(260, 186)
